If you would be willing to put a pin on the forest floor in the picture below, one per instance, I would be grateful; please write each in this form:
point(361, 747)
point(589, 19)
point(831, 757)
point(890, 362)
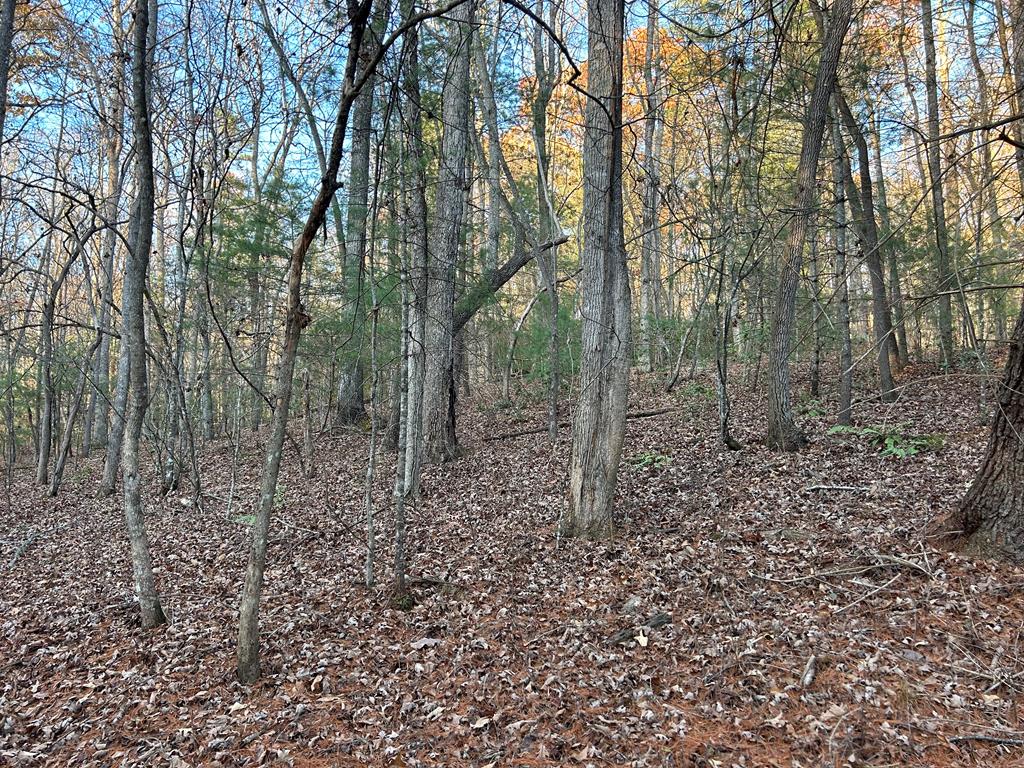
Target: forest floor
point(755, 609)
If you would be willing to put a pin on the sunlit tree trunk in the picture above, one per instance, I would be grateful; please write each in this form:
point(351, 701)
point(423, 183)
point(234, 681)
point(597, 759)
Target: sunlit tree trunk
point(599, 424)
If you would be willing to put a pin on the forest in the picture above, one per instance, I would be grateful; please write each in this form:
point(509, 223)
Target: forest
point(511, 383)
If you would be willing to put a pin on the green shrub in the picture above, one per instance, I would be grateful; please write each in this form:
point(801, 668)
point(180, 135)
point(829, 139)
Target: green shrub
point(892, 441)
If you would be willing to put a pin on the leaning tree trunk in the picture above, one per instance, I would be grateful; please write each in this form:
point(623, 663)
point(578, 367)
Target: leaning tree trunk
point(990, 519)
point(134, 328)
point(248, 658)
point(438, 387)
point(599, 426)
point(782, 430)
point(863, 205)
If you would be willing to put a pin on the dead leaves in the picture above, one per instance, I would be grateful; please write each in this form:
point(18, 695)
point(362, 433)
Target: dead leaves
point(748, 613)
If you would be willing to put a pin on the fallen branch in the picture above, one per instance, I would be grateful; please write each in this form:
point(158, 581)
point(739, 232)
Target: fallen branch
point(1013, 741)
point(32, 536)
point(540, 430)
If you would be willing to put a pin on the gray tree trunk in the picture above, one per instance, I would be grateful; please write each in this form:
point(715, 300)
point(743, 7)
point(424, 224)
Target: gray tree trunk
point(934, 154)
point(599, 424)
point(133, 324)
point(438, 388)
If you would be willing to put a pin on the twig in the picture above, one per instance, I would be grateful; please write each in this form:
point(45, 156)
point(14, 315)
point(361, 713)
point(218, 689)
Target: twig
point(836, 488)
point(866, 595)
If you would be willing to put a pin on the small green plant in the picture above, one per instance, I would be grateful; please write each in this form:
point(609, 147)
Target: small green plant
point(244, 519)
point(892, 441)
point(697, 391)
point(279, 494)
point(650, 460)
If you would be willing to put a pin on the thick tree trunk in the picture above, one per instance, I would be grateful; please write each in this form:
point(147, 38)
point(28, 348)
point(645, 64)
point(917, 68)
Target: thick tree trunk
point(599, 424)
point(782, 430)
point(990, 519)
point(438, 389)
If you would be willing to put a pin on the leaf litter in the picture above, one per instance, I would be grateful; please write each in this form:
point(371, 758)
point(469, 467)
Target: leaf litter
point(754, 609)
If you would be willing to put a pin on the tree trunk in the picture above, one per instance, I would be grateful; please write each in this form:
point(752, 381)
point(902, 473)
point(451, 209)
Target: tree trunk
point(6, 40)
point(248, 661)
point(990, 519)
point(438, 429)
point(934, 155)
point(842, 286)
point(650, 260)
point(782, 430)
point(115, 433)
point(863, 205)
point(134, 328)
point(599, 425)
point(351, 378)
point(895, 288)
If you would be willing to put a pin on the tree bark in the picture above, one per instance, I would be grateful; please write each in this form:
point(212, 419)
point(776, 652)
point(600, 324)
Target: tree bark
point(990, 519)
point(782, 430)
point(599, 424)
point(438, 388)
point(133, 324)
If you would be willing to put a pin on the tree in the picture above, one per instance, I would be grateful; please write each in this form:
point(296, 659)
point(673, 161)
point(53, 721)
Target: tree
point(934, 155)
point(863, 205)
point(599, 424)
point(990, 519)
point(439, 385)
point(782, 430)
point(140, 239)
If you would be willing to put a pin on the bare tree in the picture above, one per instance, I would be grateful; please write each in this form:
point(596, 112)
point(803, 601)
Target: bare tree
point(133, 325)
point(782, 431)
